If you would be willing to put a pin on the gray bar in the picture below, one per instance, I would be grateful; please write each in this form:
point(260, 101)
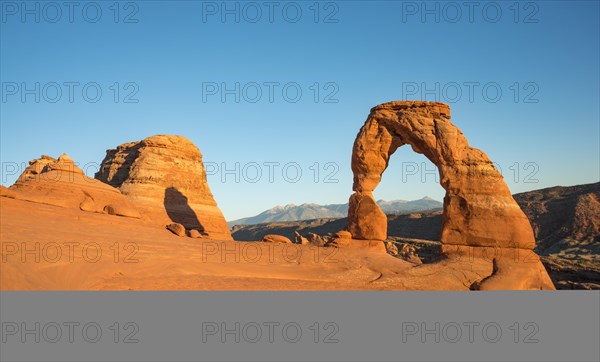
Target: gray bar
point(294, 326)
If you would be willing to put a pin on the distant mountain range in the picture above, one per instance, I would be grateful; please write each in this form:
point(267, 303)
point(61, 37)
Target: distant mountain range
point(293, 212)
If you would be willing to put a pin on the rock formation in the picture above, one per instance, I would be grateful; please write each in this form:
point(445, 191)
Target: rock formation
point(391, 248)
point(165, 178)
point(316, 239)
point(5, 192)
point(195, 234)
point(566, 223)
point(176, 229)
point(272, 238)
point(342, 234)
point(408, 253)
point(61, 183)
point(559, 214)
point(299, 239)
point(479, 210)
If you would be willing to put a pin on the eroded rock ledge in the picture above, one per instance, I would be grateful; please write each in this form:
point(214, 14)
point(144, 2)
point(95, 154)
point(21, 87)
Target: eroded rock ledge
point(165, 178)
point(60, 182)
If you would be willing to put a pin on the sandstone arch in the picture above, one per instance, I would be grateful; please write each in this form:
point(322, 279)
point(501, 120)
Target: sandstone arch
point(479, 210)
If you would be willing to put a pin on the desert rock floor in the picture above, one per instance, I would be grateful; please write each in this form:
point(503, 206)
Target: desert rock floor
point(46, 247)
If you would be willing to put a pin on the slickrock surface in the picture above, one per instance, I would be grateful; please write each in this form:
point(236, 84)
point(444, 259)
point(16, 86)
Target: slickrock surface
point(165, 178)
point(61, 183)
point(138, 255)
point(479, 210)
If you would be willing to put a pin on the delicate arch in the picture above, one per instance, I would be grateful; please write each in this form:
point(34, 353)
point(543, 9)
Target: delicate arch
point(479, 209)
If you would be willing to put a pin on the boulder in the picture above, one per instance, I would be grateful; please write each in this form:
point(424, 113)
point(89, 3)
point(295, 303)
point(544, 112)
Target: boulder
point(316, 239)
point(195, 234)
point(342, 234)
point(299, 239)
point(272, 238)
point(165, 178)
point(391, 248)
point(176, 229)
point(408, 252)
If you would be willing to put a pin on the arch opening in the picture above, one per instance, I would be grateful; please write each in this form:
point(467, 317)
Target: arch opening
point(409, 176)
point(411, 196)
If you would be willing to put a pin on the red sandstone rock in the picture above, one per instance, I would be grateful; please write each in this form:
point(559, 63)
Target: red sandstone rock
point(272, 238)
point(176, 229)
point(61, 183)
point(365, 219)
point(5, 192)
point(479, 210)
point(165, 178)
point(342, 234)
point(195, 234)
point(299, 239)
point(391, 248)
point(376, 246)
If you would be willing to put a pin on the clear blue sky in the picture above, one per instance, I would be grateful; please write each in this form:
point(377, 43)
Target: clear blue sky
point(360, 53)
